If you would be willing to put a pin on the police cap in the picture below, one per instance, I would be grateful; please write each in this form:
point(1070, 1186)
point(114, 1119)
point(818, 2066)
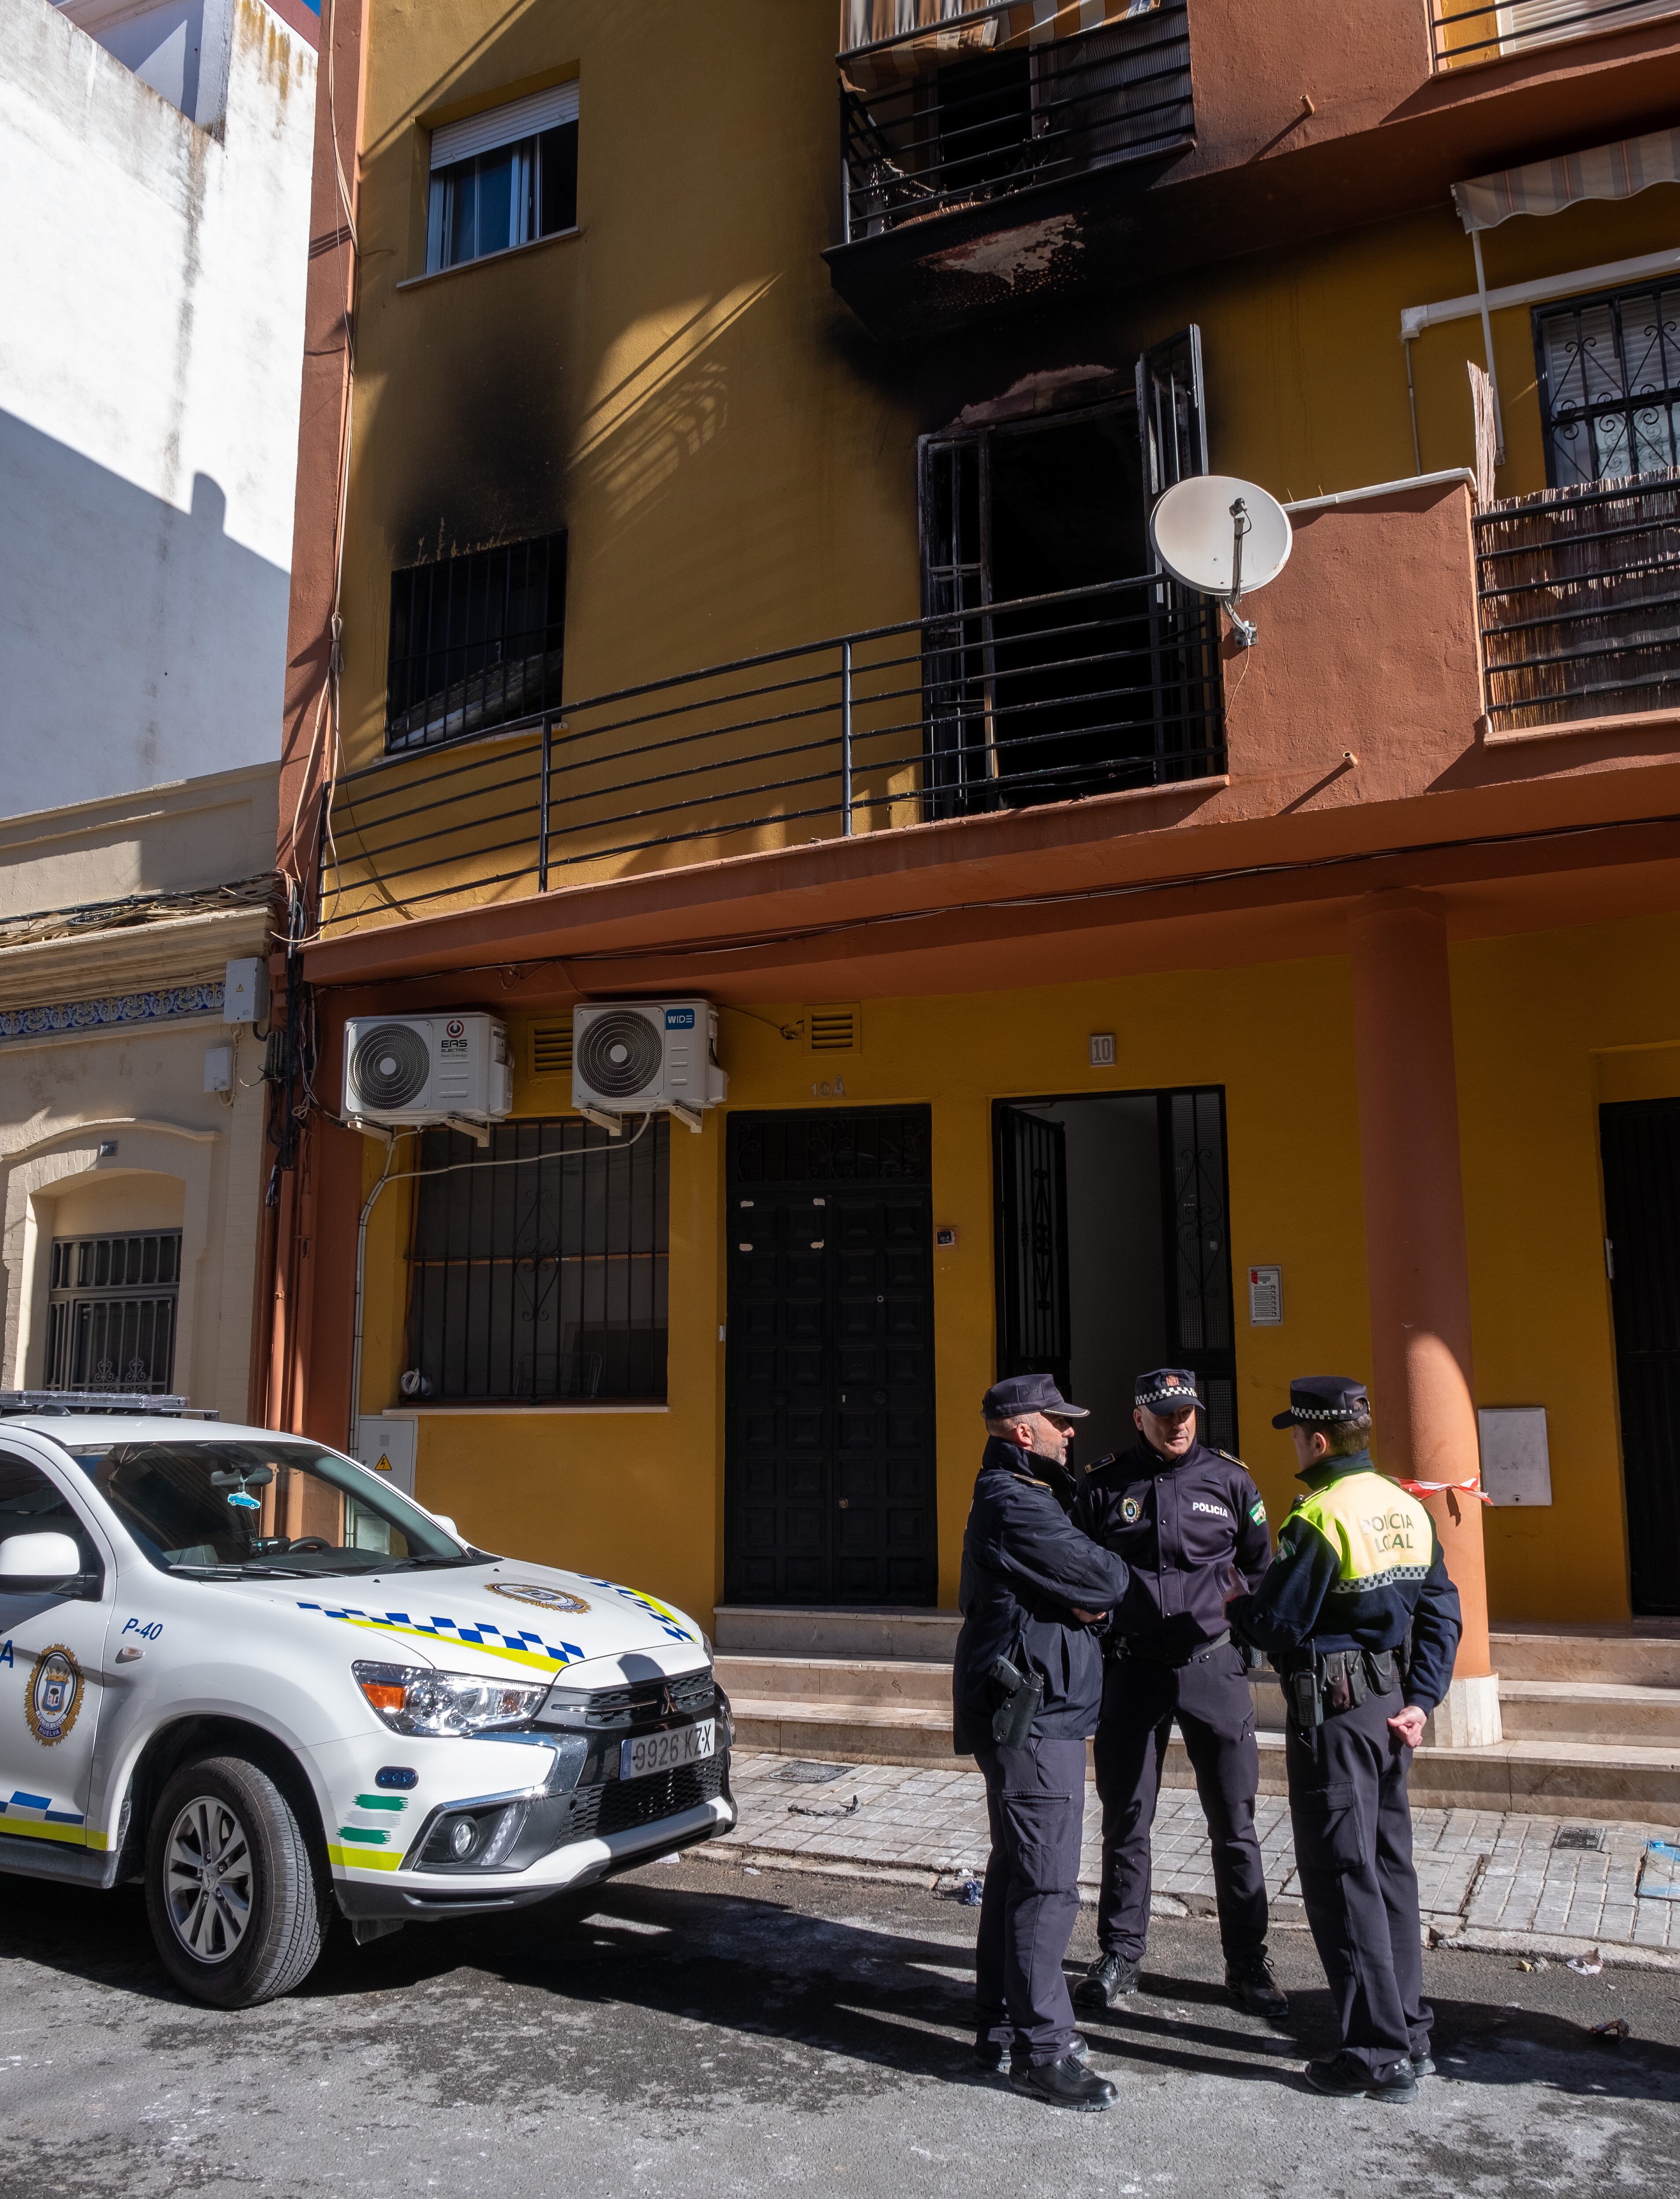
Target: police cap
point(1166, 1390)
point(1028, 1393)
point(1317, 1400)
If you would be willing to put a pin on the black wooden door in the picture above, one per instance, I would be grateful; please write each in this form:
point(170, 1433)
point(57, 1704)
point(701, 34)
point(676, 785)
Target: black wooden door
point(1035, 1327)
point(829, 1455)
point(1641, 1144)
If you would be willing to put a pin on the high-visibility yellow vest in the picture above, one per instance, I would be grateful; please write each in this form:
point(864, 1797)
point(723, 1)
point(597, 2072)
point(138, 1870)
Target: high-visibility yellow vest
point(1379, 1533)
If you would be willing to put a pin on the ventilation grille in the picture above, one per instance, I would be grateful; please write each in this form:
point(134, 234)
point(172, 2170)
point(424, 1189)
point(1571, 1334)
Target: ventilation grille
point(833, 1029)
point(551, 1049)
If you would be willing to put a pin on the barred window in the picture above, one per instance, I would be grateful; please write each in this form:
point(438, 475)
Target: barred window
point(476, 642)
point(539, 1268)
point(111, 1312)
point(1610, 384)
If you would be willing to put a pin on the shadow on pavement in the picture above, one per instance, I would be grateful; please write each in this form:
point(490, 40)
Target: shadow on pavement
point(898, 1999)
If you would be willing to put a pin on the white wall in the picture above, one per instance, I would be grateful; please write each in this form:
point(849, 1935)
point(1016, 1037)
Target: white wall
point(150, 362)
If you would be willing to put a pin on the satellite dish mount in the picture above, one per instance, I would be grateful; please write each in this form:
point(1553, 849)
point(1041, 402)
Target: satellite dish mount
point(1221, 536)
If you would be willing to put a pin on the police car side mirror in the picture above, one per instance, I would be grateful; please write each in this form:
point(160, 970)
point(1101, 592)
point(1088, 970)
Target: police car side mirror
point(36, 1565)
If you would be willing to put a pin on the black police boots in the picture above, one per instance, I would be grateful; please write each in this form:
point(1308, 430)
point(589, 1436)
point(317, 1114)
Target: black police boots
point(1109, 1978)
point(1251, 1983)
point(1065, 2084)
point(1343, 2077)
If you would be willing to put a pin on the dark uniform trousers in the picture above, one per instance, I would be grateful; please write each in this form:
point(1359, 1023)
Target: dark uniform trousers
point(1353, 1849)
point(1036, 1802)
point(1209, 1698)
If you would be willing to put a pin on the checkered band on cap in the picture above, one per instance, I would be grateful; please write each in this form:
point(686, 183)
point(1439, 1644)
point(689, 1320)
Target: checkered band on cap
point(1168, 1393)
point(1349, 1412)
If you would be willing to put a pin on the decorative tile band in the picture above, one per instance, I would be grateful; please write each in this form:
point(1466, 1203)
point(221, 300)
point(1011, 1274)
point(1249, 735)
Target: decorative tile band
point(115, 1010)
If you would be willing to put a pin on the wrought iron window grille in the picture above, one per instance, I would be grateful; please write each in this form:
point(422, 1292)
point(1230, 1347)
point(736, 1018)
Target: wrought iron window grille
point(111, 1312)
point(476, 641)
point(1609, 374)
point(548, 1283)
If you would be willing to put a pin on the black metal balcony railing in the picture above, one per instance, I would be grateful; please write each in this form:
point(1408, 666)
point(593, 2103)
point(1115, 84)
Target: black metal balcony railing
point(1087, 690)
point(952, 137)
point(1463, 34)
point(1579, 596)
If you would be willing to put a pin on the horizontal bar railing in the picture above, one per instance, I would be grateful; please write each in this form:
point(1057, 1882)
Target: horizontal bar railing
point(1459, 34)
point(954, 132)
point(1579, 591)
point(975, 708)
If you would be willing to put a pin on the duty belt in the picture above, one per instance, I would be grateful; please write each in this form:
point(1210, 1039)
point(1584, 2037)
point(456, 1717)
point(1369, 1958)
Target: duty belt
point(1322, 1684)
point(1147, 1652)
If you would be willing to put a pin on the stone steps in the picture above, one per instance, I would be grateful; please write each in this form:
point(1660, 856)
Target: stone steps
point(1592, 1721)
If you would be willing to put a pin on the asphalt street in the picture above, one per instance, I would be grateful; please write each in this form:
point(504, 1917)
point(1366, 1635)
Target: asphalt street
point(713, 2030)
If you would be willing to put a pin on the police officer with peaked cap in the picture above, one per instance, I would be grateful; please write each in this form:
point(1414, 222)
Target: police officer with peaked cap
point(1182, 1515)
point(1026, 1690)
point(1359, 1617)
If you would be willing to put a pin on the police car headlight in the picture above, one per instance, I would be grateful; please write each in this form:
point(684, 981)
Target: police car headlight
point(415, 1700)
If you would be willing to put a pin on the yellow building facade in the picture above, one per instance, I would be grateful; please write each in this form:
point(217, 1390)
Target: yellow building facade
point(672, 382)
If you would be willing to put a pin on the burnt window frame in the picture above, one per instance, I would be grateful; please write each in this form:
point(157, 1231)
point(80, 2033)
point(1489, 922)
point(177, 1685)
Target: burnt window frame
point(1555, 309)
point(495, 1236)
point(472, 596)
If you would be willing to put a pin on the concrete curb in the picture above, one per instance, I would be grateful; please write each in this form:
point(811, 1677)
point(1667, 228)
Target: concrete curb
point(1287, 1915)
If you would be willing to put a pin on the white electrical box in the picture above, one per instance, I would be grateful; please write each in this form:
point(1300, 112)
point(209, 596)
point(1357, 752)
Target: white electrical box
point(219, 1069)
point(1516, 1459)
point(426, 1069)
point(245, 991)
point(1265, 1298)
point(388, 1446)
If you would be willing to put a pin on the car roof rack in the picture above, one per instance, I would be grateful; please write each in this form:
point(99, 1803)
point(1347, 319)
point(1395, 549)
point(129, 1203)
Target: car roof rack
point(67, 1401)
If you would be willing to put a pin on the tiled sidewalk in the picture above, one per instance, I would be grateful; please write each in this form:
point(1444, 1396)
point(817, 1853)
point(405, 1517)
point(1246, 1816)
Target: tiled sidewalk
point(1485, 1880)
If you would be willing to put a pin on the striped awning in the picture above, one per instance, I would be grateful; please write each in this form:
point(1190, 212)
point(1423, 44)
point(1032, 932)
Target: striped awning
point(1606, 171)
point(887, 41)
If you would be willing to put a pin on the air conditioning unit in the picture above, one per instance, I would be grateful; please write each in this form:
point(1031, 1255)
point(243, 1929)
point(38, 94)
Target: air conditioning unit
point(427, 1069)
point(634, 1056)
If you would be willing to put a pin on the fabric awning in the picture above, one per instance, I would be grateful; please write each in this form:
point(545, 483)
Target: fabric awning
point(888, 41)
point(1606, 171)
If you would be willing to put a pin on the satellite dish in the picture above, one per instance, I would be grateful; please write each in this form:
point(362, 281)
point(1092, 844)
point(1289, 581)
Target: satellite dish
point(1222, 537)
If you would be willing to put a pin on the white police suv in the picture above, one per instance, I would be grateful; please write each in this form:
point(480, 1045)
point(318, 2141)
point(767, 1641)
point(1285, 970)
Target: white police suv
point(244, 1668)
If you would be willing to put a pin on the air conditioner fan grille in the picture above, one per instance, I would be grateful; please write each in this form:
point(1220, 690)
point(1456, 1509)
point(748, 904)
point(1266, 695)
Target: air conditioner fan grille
point(390, 1067)
point(620, 1054)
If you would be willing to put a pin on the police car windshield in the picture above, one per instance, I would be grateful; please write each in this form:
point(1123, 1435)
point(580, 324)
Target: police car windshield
point(260, 1509)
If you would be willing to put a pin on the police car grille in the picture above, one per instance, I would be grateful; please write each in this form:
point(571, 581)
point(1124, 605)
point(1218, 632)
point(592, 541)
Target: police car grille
point(625, 1710)
point(624, 1803)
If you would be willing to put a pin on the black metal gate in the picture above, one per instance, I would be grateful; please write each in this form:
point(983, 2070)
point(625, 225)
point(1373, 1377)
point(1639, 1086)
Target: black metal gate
point(1034, 1315)
point(1640, 1140)
point(828, 1454)
point(1035, 1327)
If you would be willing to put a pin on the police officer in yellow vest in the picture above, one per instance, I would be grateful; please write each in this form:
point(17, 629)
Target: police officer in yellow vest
point(1358, 1615)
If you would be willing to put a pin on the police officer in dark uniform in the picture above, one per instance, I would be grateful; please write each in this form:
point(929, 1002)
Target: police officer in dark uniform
point(1182, 1515)
point(1026, 1690)
point(1359, 1617)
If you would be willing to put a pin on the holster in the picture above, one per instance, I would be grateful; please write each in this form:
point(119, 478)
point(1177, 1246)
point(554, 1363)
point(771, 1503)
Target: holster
point(1322, 1685)
point(1022, 1694)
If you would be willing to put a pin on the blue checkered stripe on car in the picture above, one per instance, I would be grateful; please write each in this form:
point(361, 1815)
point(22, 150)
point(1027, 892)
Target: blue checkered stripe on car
point(519, 1642)
point(650, 1604)
point(40, 1808)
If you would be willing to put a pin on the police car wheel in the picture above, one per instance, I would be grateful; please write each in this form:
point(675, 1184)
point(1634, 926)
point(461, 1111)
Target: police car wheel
point(236, 1908)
